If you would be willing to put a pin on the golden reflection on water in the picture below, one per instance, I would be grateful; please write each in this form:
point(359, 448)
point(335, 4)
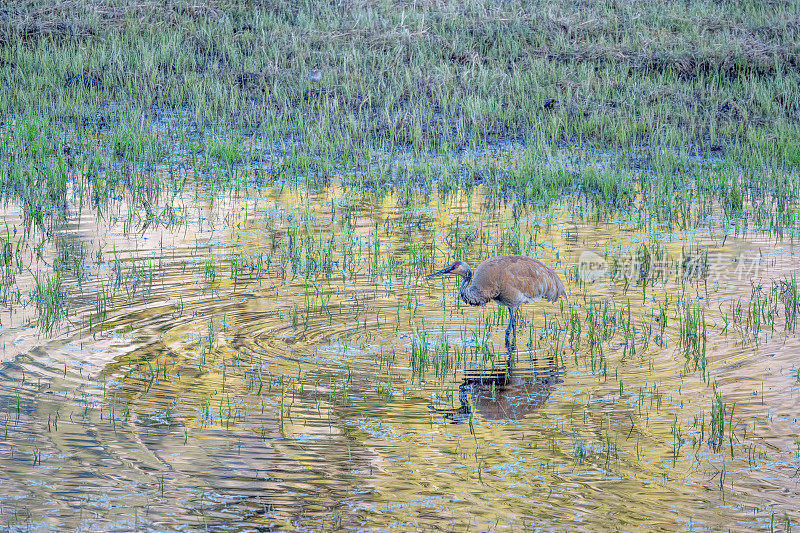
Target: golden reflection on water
point(280, 361)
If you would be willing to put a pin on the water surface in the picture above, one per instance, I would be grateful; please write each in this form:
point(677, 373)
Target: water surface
point(273, 358)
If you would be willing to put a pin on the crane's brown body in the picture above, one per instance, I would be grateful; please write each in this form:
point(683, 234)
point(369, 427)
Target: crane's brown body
point(512, 280)
point(509, 280)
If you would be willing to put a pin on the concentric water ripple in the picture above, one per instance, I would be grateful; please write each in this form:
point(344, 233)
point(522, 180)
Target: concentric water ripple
point(207, 376)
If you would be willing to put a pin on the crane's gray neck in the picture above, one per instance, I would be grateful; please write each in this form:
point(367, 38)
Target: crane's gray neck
point(466, 279)
point(468, 293)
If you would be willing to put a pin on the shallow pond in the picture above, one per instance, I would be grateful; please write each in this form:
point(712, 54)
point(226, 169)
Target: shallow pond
point(274, 358)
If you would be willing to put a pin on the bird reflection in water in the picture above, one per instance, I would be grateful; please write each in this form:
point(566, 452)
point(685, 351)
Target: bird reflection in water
point(506, 393)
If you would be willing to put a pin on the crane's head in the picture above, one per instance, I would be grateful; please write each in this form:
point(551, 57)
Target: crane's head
point(459, 268)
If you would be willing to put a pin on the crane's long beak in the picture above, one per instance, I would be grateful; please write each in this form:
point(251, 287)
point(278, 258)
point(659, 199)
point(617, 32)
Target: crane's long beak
point(442, 271)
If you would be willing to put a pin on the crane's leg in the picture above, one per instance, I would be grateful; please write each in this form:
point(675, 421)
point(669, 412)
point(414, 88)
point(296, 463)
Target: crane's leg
point(514, 328)
point(511, 330)
point(509, 361)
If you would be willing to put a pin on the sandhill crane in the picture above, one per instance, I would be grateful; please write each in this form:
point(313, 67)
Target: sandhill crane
point(509, 280)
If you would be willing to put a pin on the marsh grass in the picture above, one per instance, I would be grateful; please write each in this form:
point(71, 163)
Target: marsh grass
point(227, 151)
point(49, 298)
point(425, 76)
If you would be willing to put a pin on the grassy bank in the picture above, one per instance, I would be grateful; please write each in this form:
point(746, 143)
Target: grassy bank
point(679, 108)
point(704, 75)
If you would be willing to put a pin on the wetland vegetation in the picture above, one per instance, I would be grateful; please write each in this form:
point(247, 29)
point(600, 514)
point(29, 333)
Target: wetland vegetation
point(213, 305)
